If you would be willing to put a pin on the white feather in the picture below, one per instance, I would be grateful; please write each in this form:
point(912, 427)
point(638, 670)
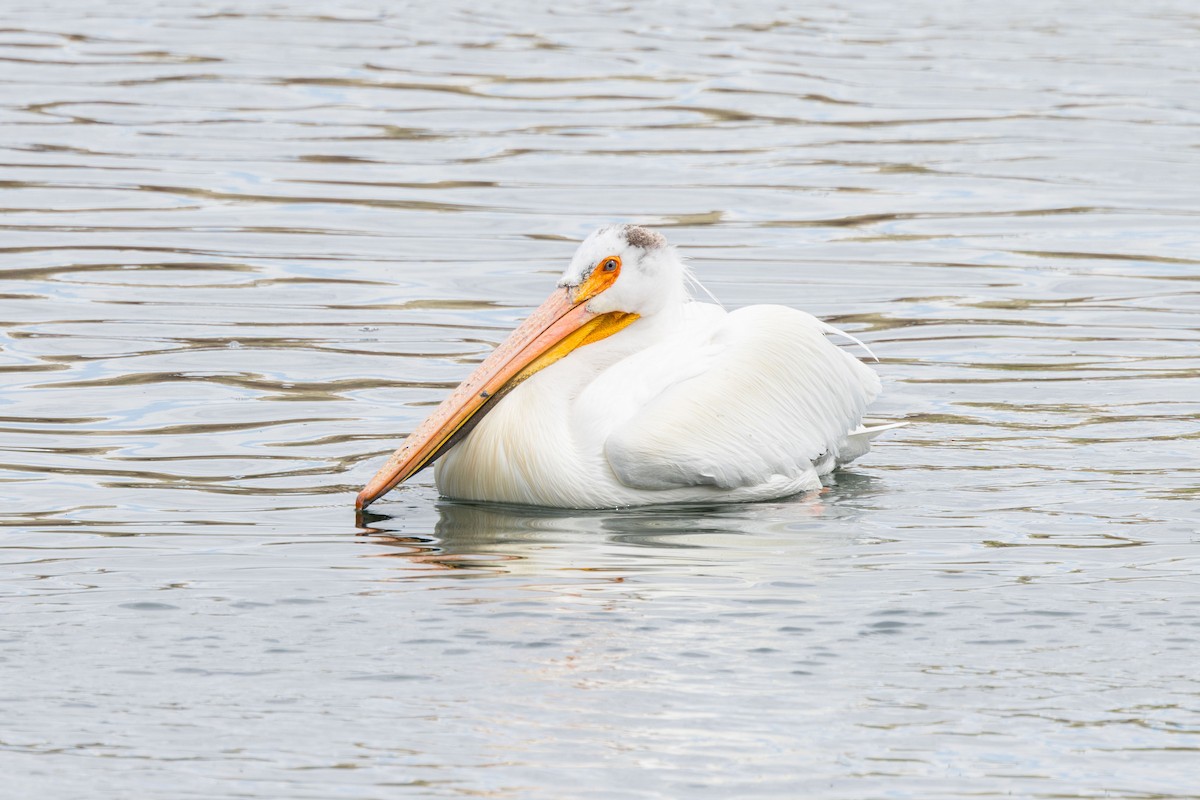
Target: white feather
point(690, 403)
point(747, 405)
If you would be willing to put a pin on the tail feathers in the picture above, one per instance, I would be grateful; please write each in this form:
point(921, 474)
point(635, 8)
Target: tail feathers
point(873, 427)
point(858, 441)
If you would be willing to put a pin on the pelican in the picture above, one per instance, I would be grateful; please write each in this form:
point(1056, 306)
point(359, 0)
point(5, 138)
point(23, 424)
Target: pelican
point(621, 390)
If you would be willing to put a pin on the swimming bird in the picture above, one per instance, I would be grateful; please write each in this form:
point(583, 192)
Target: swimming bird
point(622, 390)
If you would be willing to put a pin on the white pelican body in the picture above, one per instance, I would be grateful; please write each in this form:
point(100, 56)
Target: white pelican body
point(622, 391)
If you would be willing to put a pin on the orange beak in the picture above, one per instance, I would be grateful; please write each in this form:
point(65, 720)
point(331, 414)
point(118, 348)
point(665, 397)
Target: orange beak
point(558, 326)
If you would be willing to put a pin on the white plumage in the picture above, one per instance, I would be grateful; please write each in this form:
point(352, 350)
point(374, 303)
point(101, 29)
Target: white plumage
point(688, 403)
point(748, 405)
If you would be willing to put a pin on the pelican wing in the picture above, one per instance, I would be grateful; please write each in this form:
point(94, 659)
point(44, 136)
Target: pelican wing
point(770, 397)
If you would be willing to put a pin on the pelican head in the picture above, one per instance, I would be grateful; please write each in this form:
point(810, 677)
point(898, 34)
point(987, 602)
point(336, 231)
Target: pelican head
point(625, 268)
point(619, 274)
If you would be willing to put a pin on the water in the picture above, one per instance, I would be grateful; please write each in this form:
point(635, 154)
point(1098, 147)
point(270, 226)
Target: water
point(245, 246)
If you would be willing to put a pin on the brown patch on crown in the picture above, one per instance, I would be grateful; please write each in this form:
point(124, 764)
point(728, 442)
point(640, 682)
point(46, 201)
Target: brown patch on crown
point(643, 237)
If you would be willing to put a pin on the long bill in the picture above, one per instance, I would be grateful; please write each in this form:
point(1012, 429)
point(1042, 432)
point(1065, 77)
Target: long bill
point(558, 326)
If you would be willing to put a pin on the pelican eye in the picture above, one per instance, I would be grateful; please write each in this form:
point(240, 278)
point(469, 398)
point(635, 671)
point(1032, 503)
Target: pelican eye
point(598, 278)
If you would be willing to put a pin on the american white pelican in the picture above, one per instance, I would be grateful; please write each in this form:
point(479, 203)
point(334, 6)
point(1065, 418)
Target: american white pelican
point(620, 390)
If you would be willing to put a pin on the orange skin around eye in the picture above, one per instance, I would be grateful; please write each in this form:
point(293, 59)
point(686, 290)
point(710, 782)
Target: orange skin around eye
point(599, 279)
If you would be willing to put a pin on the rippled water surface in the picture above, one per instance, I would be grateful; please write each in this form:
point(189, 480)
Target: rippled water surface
point(244, 246)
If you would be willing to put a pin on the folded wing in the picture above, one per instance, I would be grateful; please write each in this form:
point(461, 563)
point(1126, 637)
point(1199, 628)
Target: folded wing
point(775, 398)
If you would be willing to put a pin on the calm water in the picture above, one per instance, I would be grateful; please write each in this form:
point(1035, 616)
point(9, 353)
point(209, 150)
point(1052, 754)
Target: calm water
point(246, 245)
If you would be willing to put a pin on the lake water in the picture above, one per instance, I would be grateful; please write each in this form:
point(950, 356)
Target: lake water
point(245, 246)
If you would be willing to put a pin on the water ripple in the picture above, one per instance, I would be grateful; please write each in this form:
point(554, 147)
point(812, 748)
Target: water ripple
point(246, 249)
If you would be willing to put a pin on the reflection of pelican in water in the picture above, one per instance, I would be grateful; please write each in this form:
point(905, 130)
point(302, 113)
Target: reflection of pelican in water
point(620, 391)
point(499, 538)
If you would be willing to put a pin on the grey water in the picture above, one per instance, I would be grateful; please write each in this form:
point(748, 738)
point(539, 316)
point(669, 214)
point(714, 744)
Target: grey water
point(245, 246)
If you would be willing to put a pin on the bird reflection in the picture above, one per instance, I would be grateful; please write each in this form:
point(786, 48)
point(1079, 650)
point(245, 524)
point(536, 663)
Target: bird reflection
point(491, 538)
